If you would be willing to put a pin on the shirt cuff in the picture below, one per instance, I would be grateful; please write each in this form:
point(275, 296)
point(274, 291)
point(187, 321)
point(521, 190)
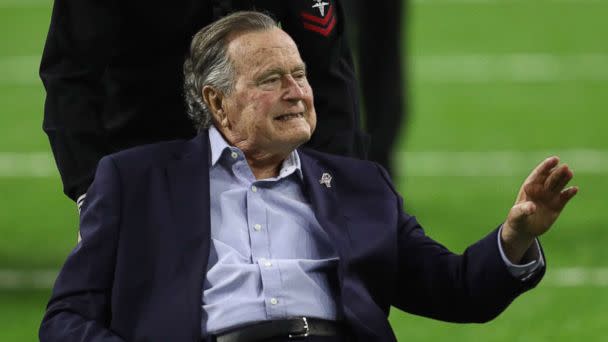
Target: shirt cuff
point(532, 260)
point(80, 200)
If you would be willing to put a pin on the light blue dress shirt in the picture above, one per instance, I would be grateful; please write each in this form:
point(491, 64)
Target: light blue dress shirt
point(269, 257)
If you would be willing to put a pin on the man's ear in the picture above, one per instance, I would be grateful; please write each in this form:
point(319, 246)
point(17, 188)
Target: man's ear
point(214, 100)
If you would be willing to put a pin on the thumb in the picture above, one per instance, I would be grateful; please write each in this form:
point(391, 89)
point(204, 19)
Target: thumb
point(522, 210)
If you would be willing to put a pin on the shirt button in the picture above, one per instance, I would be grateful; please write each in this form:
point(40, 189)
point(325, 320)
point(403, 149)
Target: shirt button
point(257, 227)
point(234, 155)
point(274, 301)
point(254, 188)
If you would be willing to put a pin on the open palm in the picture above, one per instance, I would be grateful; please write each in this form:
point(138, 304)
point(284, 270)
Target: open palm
point(541, 198)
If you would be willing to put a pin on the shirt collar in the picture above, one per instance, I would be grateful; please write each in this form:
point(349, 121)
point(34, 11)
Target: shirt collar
point(220, 147)
point(218, 144)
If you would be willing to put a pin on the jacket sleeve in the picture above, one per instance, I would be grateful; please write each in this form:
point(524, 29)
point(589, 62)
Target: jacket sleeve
point(475, 286)
point(80, 305)
point(78, 47)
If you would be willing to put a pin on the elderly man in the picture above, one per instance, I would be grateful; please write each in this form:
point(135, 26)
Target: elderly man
point(237, 235)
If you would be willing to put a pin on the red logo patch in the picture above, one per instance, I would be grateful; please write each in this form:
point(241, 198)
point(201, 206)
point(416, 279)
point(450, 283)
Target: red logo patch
point(323, 26)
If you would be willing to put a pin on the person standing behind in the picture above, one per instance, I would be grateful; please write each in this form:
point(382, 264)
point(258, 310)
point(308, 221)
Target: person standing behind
point(112, 72)
point(375, 31)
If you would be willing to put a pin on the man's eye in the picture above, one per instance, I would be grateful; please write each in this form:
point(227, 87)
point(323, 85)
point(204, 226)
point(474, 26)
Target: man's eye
point(271, 80)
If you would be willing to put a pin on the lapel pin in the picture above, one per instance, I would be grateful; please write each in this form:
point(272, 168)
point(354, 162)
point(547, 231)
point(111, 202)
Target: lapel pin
point(325, 179)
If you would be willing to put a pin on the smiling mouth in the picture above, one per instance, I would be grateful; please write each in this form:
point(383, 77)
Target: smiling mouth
point(286, 117)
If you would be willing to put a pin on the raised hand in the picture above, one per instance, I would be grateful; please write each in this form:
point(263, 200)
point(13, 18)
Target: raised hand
point(541, 199)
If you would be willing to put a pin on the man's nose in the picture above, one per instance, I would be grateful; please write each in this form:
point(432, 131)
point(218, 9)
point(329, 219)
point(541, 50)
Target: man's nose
point(293, 89)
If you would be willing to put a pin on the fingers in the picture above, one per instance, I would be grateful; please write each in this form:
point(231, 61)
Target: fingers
point(558, 178)
point(542, 171)
point(567, 194)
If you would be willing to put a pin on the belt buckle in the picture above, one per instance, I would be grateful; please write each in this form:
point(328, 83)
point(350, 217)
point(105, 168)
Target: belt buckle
point(302, 334)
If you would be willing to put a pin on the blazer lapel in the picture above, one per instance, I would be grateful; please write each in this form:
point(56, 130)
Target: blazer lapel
point(188, 179)
point(325, 201)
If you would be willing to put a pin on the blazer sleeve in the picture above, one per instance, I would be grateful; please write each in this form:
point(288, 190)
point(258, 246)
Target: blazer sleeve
point(77, 50)
point(80, 305)
point(475, 286)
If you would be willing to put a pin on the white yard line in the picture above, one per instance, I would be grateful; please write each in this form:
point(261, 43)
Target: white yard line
point(454, 68)
point(577, 276)
point(11, 279)
point(32, 165)
point(31, 279)
point(495, 163)
point(513, 68)
point(25, 3)
point(19, 70)
point(412, 164)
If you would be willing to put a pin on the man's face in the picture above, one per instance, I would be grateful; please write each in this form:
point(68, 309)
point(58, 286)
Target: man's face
point(270, 110)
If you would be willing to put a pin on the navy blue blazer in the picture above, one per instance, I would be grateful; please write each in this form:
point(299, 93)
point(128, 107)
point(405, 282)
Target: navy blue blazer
point(138, 273)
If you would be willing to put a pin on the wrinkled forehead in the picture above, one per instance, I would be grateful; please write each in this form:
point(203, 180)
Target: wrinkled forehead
point(253, 49)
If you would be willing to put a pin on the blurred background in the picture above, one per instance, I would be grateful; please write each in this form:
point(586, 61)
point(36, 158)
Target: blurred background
point(494, 86)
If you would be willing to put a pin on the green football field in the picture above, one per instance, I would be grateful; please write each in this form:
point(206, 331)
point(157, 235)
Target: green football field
point(495, 85)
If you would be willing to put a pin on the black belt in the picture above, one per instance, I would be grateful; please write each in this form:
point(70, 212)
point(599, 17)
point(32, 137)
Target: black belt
point(292, 328)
